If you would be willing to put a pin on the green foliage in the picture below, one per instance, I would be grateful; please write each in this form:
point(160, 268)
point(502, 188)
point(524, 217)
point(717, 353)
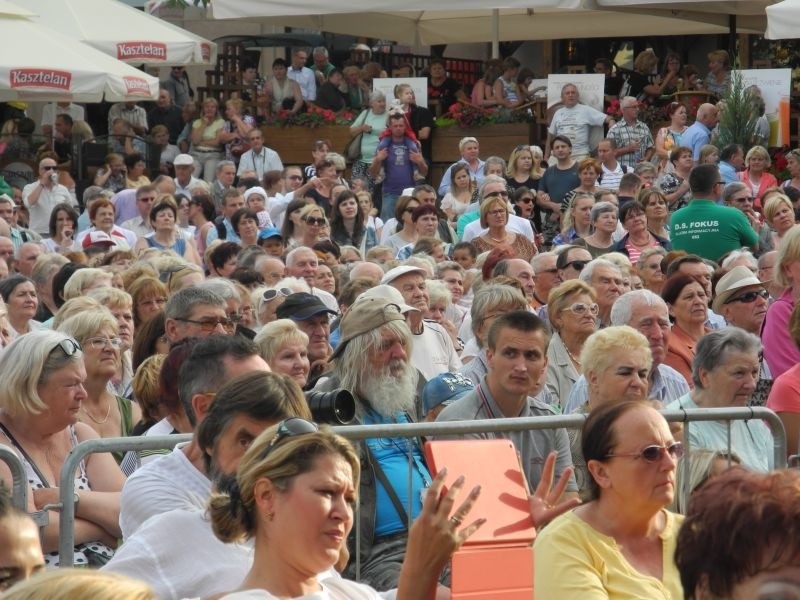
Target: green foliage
point(737, 123)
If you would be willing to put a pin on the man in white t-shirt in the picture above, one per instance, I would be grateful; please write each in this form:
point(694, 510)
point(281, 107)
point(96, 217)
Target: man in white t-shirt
point(41, 196)
point(575, 121)
point(180, 480)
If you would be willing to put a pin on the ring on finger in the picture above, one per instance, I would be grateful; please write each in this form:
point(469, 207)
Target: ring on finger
point(456, 521)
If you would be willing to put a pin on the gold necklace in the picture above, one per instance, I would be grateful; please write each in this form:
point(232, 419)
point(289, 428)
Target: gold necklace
point(108, 412)
point(575, 360)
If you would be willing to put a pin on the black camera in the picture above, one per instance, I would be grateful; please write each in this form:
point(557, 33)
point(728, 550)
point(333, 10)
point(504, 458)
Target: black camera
point(337, 407)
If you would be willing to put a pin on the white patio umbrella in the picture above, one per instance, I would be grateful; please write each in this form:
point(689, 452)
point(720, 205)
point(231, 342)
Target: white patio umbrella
point(783, 20)
point(37, 63)
point(748, 15)
point(437, 22)
point(123, 32)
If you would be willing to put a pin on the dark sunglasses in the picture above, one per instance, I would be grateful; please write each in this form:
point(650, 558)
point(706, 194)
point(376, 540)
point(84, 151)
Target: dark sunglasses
point(577, 264)
point(653, 454)
point(270, 295)
point(291, 427)
point(50, 168)
point(749, 297)
point(525, 200)
point(503, 194)
point(315, 221)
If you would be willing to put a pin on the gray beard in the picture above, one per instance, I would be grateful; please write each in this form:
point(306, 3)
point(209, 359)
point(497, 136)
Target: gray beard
point(389, 394)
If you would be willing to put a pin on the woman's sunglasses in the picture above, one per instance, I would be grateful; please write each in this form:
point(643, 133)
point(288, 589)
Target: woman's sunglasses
point(270, 295)
point(654, 453)
point(291, 427)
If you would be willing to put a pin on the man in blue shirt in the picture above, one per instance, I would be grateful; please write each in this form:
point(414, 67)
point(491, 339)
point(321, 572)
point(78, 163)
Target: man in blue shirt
point(731, 161)
point(699, 132)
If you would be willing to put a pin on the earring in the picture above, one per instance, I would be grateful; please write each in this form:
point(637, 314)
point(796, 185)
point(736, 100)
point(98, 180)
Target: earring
point(270, 516)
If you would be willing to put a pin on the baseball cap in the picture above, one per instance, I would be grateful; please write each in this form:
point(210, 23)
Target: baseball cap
point(365, 315)
point(735, 279)
point(301, 306)
point(393, 274)
point(270, 232)
point(387, 292)
point(183, 160)
point(98, 238)
point(444, 389)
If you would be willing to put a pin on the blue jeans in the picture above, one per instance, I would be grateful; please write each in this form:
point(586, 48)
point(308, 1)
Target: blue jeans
point(388, 204)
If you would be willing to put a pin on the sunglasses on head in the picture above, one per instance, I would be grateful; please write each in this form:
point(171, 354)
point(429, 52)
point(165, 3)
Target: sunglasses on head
point(749, 297)
point(270, 295)
point(291, 427)
point(654, 453)
point(68, 346)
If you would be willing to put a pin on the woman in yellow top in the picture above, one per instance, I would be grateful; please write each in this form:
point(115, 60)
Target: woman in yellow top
point(621, 543)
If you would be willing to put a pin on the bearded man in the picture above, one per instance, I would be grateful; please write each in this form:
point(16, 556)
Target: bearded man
point(372, 361)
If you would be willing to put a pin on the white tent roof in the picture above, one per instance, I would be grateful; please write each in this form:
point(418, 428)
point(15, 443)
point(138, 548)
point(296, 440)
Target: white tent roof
point(419, 23)
point(783, 20)
point(37, 63)
point(123, 32)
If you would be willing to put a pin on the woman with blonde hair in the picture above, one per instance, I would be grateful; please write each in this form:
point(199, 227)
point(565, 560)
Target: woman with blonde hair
point(84, 281)
point(149, 296)
point(643, 83)
point(756, 176)
point(312, 219)
point(285, 349)
point(779, 216)
point(70, 584)
point(206, 137)
point(494, 215)
point(573, 310)
point(120, 304)
point(695, 469)
point(97, 333)
point(524, 167)
point(576, 220)
point(718, 79)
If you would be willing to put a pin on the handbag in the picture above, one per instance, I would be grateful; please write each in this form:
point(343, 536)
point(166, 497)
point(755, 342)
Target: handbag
point(352, 151)
point(239, 147)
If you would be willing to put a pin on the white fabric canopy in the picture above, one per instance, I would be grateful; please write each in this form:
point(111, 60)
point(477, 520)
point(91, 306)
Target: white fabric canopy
point(123, 32)
point(783, 20)
point(37, 63)
point(750, 16)
point(419, 21)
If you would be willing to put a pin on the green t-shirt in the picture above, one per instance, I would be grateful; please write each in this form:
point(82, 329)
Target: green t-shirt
point(710, 230)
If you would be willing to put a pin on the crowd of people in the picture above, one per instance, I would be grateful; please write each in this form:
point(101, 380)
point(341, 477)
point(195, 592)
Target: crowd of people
point(237, 298)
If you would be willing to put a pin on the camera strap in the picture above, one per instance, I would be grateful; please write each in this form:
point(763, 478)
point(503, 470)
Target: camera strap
point(381, 476)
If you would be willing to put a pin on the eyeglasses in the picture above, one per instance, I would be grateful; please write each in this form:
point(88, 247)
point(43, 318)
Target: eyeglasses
point(147, 199)
point(525, 200)
point(99, 343)
point(315, 221)
point(579, 308)
point(50, 168)
point(745, 199)
point(654, 453)
point(291, 427)
point(749, 297)
point(503, 194)
point(497, 213)
point(577, 264)
point(68, 346)
point(296, 177)
point(270, 295)
point(209, 325)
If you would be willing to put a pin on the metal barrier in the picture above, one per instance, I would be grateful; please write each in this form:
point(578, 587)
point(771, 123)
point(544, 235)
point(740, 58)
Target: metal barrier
point(19, 486)
point(361, 432)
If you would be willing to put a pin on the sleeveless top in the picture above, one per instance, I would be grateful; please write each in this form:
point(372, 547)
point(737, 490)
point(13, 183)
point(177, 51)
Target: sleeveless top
point(179, 247)
point(279, 92)
point(510, 89)
point(88, 553)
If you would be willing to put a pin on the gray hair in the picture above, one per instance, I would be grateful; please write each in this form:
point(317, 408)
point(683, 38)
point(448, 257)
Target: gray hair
point(487, 180)
point(647, 253)
point(26, 364)
point(92, 192)
point(536, 261)
point(601, 208)
point(376, 95)
point(493, 295)
point(735, 255)
point(448, 265)
point(494, 160)
point(352, 367)
point(588, 271)
point(181, 303)
point(714, 347)
point(645, 167)
point(320, 51)
point(223, 287)
point(732, 189)
point(224, 163)
point(294, 252)
point(46, 265)
point(622, 310)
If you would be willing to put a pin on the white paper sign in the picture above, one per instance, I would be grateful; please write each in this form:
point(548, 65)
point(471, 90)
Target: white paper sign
point(418, 84)
point(590, 87)
point(774, 86)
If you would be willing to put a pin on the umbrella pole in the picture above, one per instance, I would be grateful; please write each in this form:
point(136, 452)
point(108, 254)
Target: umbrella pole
point(495, 33)
point(732, 35)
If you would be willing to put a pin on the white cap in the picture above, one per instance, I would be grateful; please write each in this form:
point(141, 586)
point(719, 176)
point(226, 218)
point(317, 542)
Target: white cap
point(183, 160)
point(393, 274)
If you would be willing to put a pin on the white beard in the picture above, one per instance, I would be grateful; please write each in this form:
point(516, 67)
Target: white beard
point(390, 394)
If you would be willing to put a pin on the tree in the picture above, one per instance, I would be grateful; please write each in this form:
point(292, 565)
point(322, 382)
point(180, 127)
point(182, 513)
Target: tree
point(737, 124)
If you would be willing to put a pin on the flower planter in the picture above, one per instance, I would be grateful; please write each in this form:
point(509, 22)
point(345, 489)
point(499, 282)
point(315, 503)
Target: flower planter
point(294, 143)
point(495, 140)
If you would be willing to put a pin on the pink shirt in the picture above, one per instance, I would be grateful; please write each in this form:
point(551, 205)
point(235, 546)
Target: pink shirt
point(779, 350)
point(785, 393)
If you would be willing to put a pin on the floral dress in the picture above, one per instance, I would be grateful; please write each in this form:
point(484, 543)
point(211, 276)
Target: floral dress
point(87, 554)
